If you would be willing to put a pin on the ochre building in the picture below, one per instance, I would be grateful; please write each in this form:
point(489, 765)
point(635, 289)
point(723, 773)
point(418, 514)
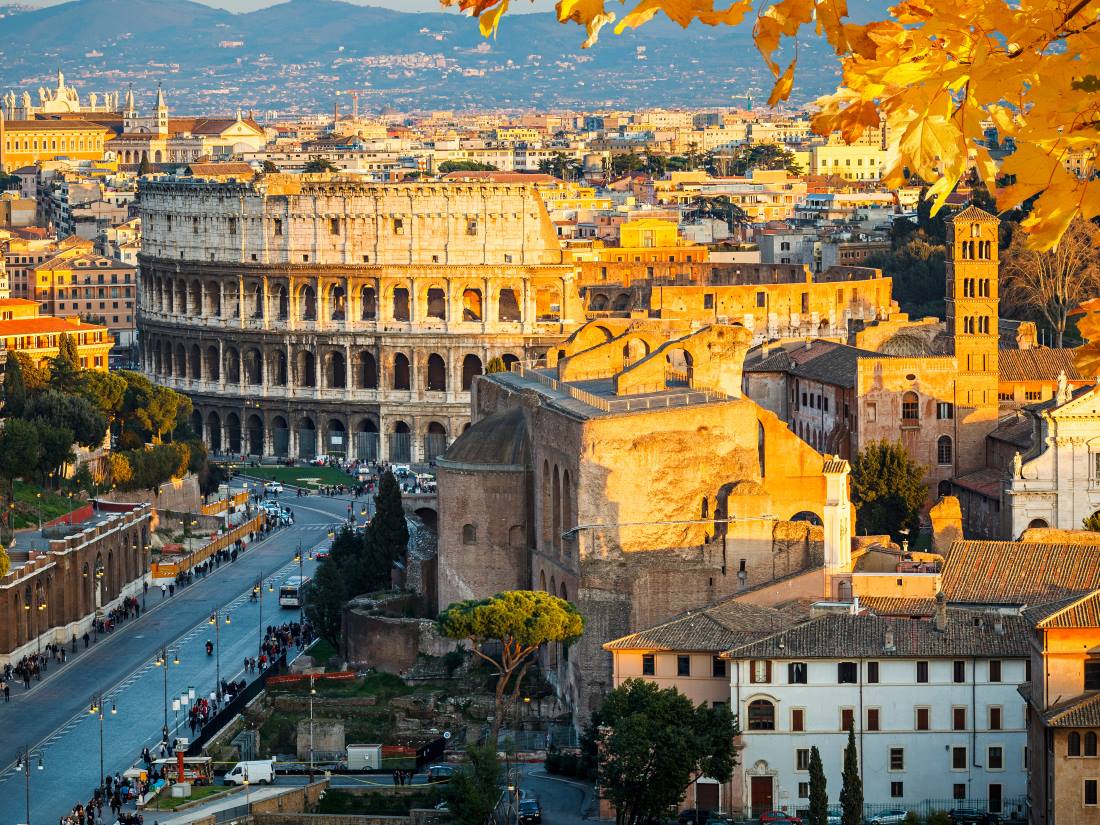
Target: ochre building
point(26, 142)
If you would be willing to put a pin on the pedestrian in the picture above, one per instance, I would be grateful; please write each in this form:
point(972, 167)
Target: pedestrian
point(86, 639)
point(395, 779)
point(163, 590)
point(7, 692)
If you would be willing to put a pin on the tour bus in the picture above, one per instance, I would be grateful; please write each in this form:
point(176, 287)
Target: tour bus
point(291, 593)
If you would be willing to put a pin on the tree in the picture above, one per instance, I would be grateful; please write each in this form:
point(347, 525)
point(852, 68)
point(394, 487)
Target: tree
point(561, 166)
point(654, 743)
point(269, 168)
point(65, 366)
point(5, 561)
point(1052, 284)
point(624, 163)
point(388, 531)
point(317, 165)
point(819, 799)
point(763, 156)
point(15, 391)
point(149, 410)
point(722, 208)
point(145, 167)
point(86, 424)
point(935, 72)
point(35, 378)
point(1092, 522)
point(887, 490)
point(519, 623)
point(918, 268)
point(448, 166)
point(326, 596)
point(496, 364)
point(56, 447)
point(474, 789)
point(104, 389)
point(851, 790)
point(19, 454)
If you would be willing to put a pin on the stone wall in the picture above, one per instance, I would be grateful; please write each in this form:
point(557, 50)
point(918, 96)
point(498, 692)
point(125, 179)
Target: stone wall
point(181, 495)
point(293, 801)
point(389, 644)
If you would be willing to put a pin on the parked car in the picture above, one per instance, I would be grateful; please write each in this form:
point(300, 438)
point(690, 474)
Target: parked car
point(769, 817)
point(693, 816)
point(893, 816)
point(972, 816)
point(441, 773)
point(530, 812)
point(275, 487)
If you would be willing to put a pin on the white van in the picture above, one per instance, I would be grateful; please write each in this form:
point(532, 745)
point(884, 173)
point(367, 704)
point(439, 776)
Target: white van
point(260, 772)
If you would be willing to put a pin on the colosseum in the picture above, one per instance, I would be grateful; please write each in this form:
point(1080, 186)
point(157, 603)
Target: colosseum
point(319, 314)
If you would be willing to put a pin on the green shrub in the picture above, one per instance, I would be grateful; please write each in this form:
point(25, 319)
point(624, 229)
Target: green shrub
point(938, 818)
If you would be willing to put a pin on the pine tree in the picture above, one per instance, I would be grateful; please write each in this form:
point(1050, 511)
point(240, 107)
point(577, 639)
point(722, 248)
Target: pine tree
point(15, 391)
point(819, 799)
point(851, 790)
point(65, 366)
point(145, 167)
point(388, 534)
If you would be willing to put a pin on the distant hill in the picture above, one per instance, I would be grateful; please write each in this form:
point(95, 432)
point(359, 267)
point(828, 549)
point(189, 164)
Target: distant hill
point(294, 57)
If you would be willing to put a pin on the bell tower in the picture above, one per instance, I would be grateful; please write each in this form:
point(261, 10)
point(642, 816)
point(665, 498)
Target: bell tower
point(161, 112)
point(972, 324)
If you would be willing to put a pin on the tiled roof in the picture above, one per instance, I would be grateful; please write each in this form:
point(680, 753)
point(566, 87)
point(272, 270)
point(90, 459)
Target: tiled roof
point(17, 302)
point(825, 361)
point(1041, 612)
point(500, 177)
point(1079, 712)
point(45, 325)
point(51, 126)
point(1018, 573)
point(716, 628)
point(203, 170)
point(835, 636)
point(974, 213)
point(1084, 612)
point(986, 482)
point(1016, 429)
point(898, 606)
point(1036, 364)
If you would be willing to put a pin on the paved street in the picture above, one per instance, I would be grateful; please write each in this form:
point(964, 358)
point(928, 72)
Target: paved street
point(53, 716)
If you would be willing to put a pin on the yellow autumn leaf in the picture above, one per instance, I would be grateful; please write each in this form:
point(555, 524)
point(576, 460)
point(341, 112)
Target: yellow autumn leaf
point(490, 19)
point(782, 88)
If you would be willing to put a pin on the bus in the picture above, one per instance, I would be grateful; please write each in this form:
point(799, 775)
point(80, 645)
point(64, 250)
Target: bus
point(291, 594)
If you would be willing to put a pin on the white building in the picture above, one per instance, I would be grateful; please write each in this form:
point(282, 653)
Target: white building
point(1057, 482)
point(933, 704)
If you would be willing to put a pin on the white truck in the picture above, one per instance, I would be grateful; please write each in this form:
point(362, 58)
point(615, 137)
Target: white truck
point(257, 772)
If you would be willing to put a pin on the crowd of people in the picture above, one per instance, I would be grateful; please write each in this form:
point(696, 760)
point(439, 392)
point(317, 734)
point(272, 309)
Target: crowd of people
point(130, 607)
point(30, 668)
point(115, 792)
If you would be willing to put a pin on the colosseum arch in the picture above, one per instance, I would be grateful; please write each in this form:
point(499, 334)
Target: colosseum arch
point(336, 437)
point(368, 304)
point(401, 442)
point(282, 303)
point(548, 302)
point(181, 295)
point(508, 305)
point(196, 423)
point(279, 370)
point(280, 436)
point(213, 296)
point(401, 372)
point(472, 305)
point(435, 441)
point(195, 305)
point(366, 371)
point(336, 370)
point(232, 365)
point(621, 302)
point(169, 302)
point(181, 361)
point(598, 302)
point(436, 373)
point(255, 305)
point(253, 366)
point(305, 369)
point(366, 440)
point(400, 305)
point(195, 365)
point(213, 365)
point(509, 359)
point(214, 432)
point(232, 300)
point(233, 433)
point(471, 366)
point(337, 300)
point(307, 438)
point(435, 301)
point(307, 303)
point(635, 350)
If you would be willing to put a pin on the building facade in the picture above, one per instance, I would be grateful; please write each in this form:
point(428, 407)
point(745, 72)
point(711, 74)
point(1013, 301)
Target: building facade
point(101, 290)
point(26, 142)
point(23, 329)
point(310, 315)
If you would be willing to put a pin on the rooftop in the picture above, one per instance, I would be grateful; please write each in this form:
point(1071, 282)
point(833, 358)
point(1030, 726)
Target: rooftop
point(1036, 364)
point(713, 629)
point(1018, 573)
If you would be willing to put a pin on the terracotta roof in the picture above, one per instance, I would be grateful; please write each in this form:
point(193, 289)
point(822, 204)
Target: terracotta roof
point(824, 361)
point(986, 482)
point(17, 302)
point(44, 325)
point(1016, 429)
point(1080, 712)
point(211, 170)
point(500, 177)
point(898, 606)
point(713, 629)
point(51, 126)
point(840, 636)
point(1083, 612)
point(1018, 573)
point(1036, 364)
point(973, 213)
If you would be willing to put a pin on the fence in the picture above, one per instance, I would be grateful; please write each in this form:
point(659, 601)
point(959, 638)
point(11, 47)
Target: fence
point(400, 447)
point(366, 446)
point(230, 814)
point(161, 570)
point(238, 703)
point(218, 506)
point(1010, 808)
point(307, 443)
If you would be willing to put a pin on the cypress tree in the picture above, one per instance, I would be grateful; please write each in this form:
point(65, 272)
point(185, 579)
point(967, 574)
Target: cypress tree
point(65, 366)
point(388, 534)
point(819, 799)
point(15, 390)
point(851, 791)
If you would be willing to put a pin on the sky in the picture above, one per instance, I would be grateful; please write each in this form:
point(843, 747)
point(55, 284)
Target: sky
point(518, 7)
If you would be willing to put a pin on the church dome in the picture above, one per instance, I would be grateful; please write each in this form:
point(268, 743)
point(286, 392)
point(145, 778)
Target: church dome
point(498, 440)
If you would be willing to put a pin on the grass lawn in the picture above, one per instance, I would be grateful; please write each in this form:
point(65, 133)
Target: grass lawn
point(298, 476)
point(321, 651)
point(170, 803)
point(54, 504)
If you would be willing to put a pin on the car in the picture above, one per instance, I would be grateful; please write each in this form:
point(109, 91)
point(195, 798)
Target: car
point(693, 816)
point(893, 816)
point(782, 817)
point(530, 812)
point(440, 773)
point(321, 553)
point(972, 816)
point(274, 487)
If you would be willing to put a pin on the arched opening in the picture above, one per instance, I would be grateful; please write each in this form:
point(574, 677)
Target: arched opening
point(232, 300)
point(256, 302)
point(1038, 524)
point(196, 423)
point(282, 302)
point(547, 486)
point(509, 359)
point(213, 367)
point(598, 302)
point(213, 295)
point(401, 443)
point(306, 375)
point(635, 350)
point(435, 441)
point(400, 372)
point(555, 511)
point(232, 365)
point(181, 361)
point(679, 367)
point(471, 305)
point(280, 369)
point(943, 488)
point(471, 366)
point(910, 408)
point(233, 432)
point(307, 303)
point(253, 366)
point(761, 715)
point(337, 301)
point(366, 440)
point(368, 304)
point(196, 362)
point(548, 303)
point(336, 370)
point(255, 435)
point(469, 534)
point(437, 373)
point(366, 371)
point(568, 517)
point(944, 450)
point(808, 516)
point(307, 438)
point(280, 436)
point(400, 304)
point(761, 449)
point(508, 306)
point(214, 432)
point(1073, 744)
point(542, 580)
point(429, 517)
point(621, 303)
point(336, 442)
point(437, 303)
point(195, 304)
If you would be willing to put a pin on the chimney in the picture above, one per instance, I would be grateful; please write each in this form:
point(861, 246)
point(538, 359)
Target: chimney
point(941, 612)
point(888, 642)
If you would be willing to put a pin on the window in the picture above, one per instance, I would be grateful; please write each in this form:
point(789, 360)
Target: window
point(872, 673)
point(922, 718)
point(958, 790)
point(1090, 744)
point(761, 715)
point(278, 226)
point(847, 673)
point(959, 671)
point(958, 757)
point(760, 672)
point(1090, 792)
point(944, 451)
point(958, 718)
point(922, 672)
point(995, 759)
point(398, 226)
point(761, 299)
point(718, 667)
point(1092, 674)
point(334, 226)
point(847, 718)
point(683, 665)
point(708, 300)
point(994, 670)
point(469, 534)
point(1073, 744)
point(910, 407)
point(872, 718)
point(897, 790)
point(796, 673)
point(471, 226)
point(803, 790)
point(798, 719)
point(802, 759)
point(994, 717)
point(648, 664)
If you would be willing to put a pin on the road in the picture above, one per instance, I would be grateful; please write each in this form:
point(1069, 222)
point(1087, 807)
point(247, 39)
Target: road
point(53, 719)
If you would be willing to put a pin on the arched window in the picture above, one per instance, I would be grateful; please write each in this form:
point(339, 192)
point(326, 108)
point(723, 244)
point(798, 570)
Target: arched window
point(283, 311)
point(437, 373)
point(471, 366)
point(761, 715)
point(1090, 744)
point(368, 304)
point(471, 305)
point(400, 304)
point(337, 300)
point(910, 407)
point(368, 372)
point(437, 304)
point(336, 370)
point(307, 298)
point(1073, 744)
point(507, 306)
point(307, 369)
point(469, 534)
point(400, 372)
point(944, 452)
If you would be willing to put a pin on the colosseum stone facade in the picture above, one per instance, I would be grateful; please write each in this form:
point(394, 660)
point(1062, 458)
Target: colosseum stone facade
point(318, 314)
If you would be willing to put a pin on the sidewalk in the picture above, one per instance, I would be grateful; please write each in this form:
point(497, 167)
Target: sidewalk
point(235, 798)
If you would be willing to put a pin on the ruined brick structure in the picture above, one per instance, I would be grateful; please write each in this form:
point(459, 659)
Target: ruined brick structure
point(319, 314)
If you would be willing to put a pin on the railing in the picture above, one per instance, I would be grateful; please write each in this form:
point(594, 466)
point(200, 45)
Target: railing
point(161, 570)
point(624, 404)
point(220, 505)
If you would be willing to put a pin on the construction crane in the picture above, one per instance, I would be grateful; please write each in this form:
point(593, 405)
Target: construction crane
point(354, 100)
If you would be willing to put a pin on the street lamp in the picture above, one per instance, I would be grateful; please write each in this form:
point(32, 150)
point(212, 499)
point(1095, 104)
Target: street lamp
point(312, 692)
point(24, 764)
point(258, 592)
point(301, 578)
point(214, 620)
point(96, 709)
point(162, 661)
point(38, 496)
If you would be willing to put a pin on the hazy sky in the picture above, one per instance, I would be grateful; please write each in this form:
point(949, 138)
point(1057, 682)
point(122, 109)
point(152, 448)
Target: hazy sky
point(518, 6)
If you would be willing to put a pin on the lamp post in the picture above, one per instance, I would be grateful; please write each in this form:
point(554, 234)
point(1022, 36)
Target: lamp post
point(96, 709)
point(301, 577)
point(39, 606)
point(38, 501)
point(162, 661)
point(215, 620)
point(23, 764)
point(258, 590)
point(312, 691)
